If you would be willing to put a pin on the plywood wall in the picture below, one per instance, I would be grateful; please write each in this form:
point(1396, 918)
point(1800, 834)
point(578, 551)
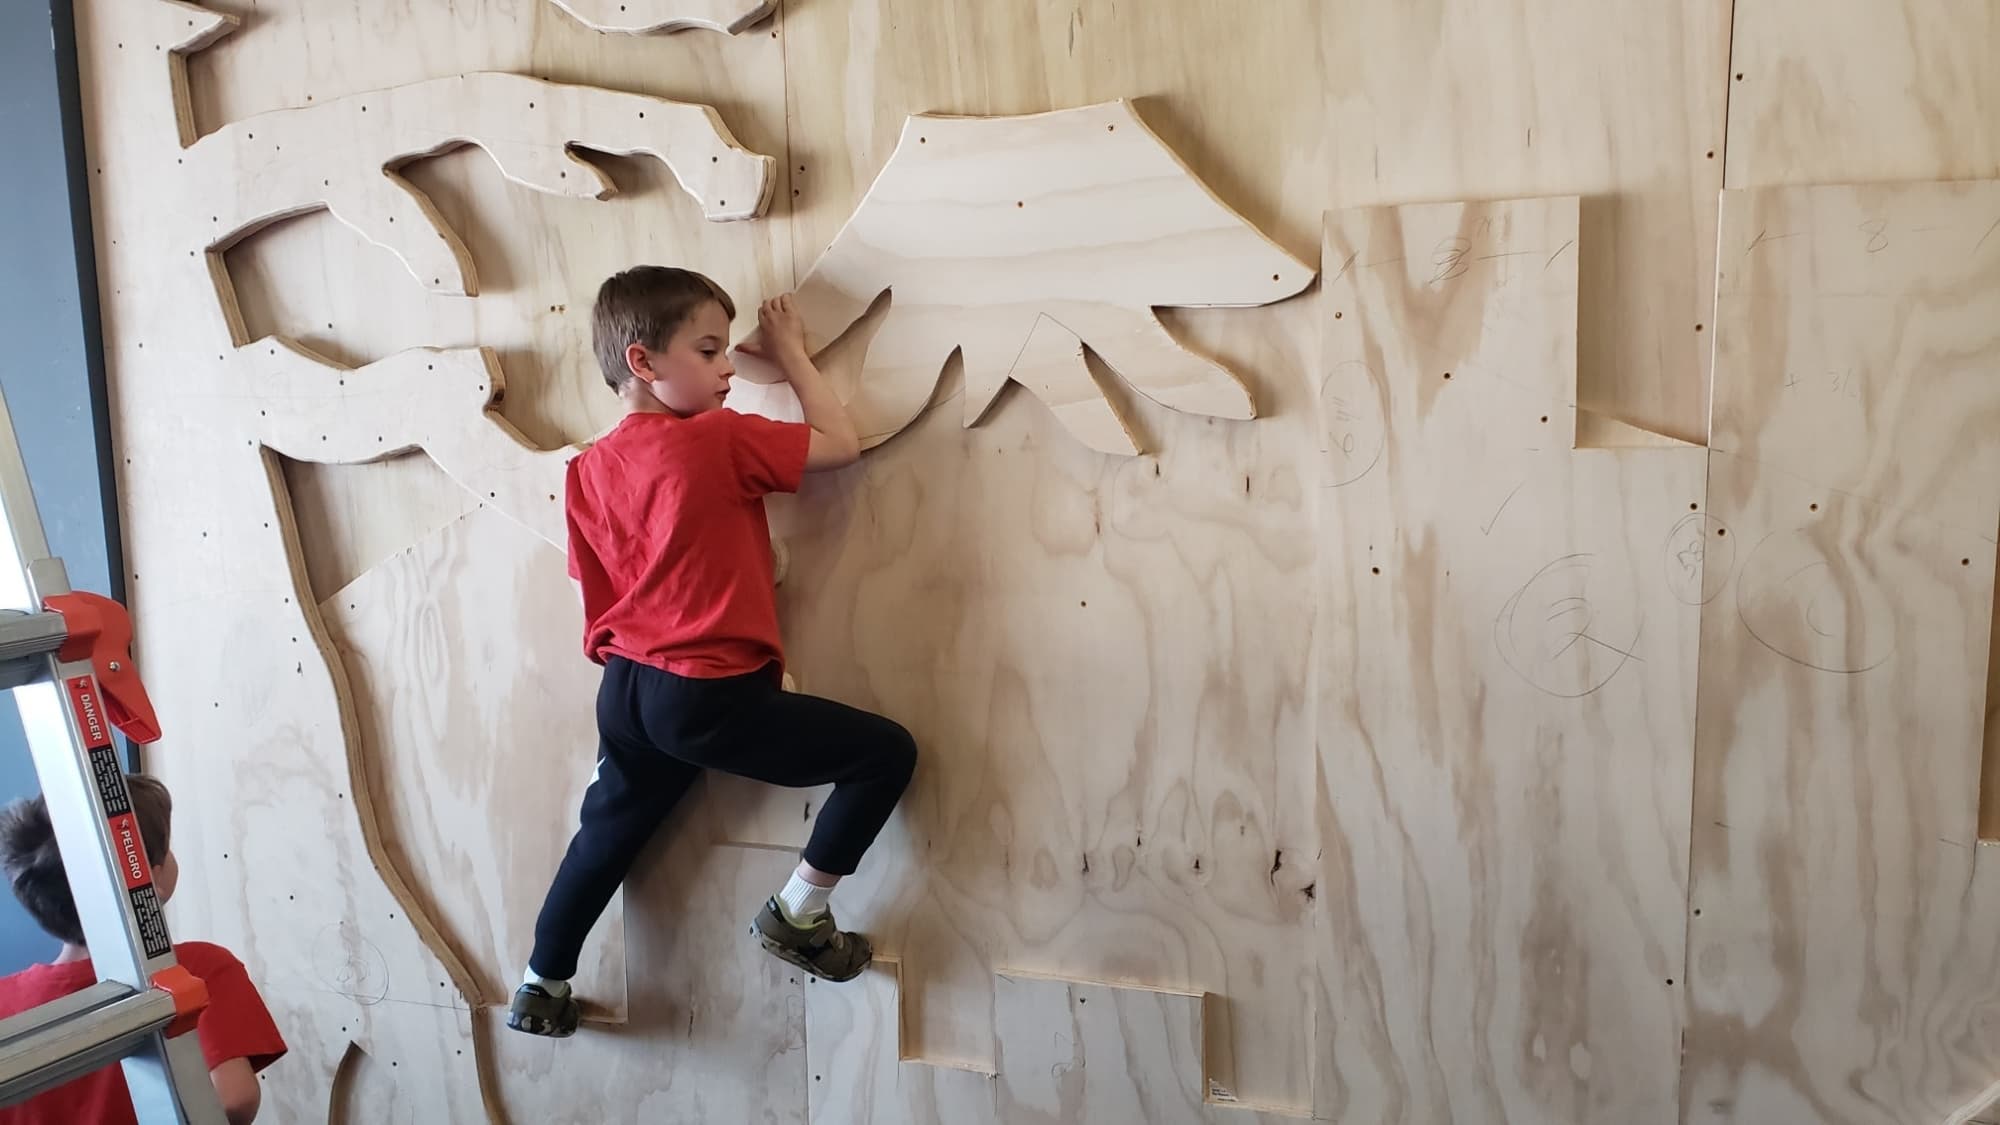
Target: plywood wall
point(1406, 754)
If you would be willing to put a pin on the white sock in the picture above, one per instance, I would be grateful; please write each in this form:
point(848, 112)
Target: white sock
point(557, 988)
point(802, 902)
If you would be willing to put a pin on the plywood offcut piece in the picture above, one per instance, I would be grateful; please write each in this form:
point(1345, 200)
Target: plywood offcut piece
point(639, 17)
point(467, 750)
point(983, 229)
point(1069, 1052)
point(1505, 673)
point(344, 154)
point(1841, 951)
point(717, 1027)
point(438, 401)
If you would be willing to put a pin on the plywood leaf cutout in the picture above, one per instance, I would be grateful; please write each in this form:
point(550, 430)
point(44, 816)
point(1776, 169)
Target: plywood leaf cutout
point(343, 155)
point(639, 17)
point(1009, 238)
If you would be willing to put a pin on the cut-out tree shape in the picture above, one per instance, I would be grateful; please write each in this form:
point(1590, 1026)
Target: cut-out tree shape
point(343, 156)
point(1017, 241)
point(374, 998)
point(639, 17)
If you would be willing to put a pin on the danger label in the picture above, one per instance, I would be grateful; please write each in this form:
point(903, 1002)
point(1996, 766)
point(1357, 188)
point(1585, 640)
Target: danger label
point(83, 700)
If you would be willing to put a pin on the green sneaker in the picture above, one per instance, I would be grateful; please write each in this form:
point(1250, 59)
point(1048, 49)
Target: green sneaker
point(821, 949)
point(538, 1012)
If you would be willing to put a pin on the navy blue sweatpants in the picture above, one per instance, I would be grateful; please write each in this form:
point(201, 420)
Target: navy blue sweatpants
point(658, 731)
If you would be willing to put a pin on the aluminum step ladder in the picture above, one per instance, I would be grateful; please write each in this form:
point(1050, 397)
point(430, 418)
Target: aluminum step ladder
point(65, 656)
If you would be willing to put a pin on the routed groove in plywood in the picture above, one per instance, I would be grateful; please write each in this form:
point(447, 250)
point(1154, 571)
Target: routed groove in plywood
point(463, 751)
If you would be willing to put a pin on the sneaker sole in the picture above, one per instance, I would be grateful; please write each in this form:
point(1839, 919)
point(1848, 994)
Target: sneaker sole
point(792, 956)
point(535, 1025)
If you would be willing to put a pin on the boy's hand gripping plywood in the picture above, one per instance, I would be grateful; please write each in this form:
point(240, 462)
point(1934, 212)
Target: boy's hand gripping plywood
point(1842, 911)
point(1018, 241)
point(639, 17)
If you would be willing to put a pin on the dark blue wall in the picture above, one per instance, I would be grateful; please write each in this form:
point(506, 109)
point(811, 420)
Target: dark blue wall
point(51, 365)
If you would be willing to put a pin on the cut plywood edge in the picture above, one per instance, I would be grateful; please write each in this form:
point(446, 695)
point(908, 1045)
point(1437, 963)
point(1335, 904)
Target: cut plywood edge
point(1841, 722)
point(856, 1068)
point(716, 1033)
point(344, 155)
point(440, 401)
point(1981, 1110)
point(983, 226)
point(1601, 431)
point(645, 17)
point(462, 750)
point(1068, 1052)
point(1989, 758)
point(1504, 667)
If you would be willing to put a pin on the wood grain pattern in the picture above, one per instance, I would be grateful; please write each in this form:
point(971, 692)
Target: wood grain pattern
point(1349, 102)
point(985, 228)
point(1840, 938)
point(1832, 93)
point(1068, 1052)
point(1158, 832)
point(539, 257)
point(471, 769)
point(1505, 684)
point(717, 1030)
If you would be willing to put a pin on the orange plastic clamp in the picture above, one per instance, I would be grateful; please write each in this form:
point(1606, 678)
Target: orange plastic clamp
point(190, 995)
point(100, 630)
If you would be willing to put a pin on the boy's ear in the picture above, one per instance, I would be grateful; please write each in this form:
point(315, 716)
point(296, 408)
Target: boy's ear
point(638, 363)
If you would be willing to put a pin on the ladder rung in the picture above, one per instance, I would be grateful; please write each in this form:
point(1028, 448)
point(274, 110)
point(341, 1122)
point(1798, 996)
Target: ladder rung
point(31, 634)
point(65, 1039)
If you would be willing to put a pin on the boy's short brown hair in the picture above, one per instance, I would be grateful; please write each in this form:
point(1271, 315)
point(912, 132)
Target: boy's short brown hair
point(34, 865)
point(644, 305)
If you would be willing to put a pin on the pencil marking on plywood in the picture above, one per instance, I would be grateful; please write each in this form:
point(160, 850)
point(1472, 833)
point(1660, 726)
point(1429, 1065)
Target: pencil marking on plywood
point(1814, 609)
point(1563, 633)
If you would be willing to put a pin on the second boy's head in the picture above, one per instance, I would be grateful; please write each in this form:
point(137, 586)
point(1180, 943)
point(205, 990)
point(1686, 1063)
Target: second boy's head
point(662, 339)
point(34, 866)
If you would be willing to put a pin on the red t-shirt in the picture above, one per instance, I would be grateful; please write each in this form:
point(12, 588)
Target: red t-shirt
point(668, 538)
point(235, 1025)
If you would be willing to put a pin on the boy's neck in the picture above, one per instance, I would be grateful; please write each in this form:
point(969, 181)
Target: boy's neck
point(638, 400)
point(71, 953)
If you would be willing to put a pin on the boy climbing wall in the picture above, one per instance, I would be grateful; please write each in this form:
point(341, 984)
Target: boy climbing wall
point(669, 545)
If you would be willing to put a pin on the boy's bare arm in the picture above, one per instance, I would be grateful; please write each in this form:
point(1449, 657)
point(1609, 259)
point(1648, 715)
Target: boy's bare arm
point(783, 341)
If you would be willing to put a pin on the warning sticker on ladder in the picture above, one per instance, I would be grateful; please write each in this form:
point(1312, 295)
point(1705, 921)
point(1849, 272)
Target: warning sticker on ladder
point(126, 842)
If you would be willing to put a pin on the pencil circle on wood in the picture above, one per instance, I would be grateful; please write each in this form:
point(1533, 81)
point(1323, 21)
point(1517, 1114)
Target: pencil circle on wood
point(1698, 558)
point(1570, 627)
point(1814, 608)
point(1352, 429)
point(348, 963)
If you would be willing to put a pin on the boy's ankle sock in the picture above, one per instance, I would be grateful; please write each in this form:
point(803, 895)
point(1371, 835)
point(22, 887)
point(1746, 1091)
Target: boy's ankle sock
point(803, 903)
point(556, 988)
